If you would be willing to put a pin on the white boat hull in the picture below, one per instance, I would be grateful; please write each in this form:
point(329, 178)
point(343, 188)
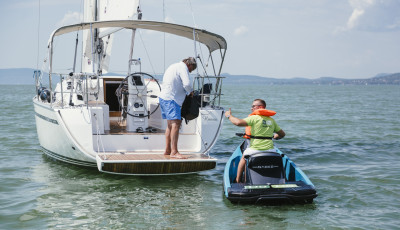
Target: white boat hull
point(67, 134)
point(55, 139)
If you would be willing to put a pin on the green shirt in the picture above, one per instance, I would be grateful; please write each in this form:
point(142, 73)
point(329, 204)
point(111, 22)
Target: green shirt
point(262, 126)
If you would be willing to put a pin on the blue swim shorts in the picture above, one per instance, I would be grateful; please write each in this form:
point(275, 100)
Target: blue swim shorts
point(170, 110)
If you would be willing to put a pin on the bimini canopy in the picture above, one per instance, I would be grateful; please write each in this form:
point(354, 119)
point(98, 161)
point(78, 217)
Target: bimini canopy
point(211, 40)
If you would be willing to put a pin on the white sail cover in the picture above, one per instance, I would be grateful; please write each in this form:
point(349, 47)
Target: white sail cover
point(106, 10)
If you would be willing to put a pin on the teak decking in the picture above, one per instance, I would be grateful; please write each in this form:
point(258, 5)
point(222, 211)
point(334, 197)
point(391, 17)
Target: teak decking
point(154, 163)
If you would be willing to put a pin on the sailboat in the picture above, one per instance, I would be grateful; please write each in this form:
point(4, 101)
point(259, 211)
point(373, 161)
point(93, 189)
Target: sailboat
point(113, 121)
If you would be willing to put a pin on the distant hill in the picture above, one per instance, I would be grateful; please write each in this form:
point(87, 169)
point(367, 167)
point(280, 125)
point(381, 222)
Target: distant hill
point(25, 76)
point(381, 79)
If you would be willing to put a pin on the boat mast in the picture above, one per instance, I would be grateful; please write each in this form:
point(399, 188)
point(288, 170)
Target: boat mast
point(97, 41)
point(131, 60)
point(73, 71)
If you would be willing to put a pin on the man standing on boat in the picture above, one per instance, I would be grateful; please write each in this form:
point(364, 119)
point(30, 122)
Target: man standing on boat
point(176, 85)
point(262, 130)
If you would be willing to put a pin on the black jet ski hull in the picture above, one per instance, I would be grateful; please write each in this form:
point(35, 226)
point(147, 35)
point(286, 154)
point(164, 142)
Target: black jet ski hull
point(295, 187)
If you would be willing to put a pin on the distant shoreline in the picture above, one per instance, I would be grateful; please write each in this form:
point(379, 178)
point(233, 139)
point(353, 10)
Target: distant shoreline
point(24, 76)
point(382, 79)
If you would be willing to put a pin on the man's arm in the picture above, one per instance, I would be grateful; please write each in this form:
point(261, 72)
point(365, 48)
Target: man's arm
point(236, 121)
point(184, 75)
point(279, 135)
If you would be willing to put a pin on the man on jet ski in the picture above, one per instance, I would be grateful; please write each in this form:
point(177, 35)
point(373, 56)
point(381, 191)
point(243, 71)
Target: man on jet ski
point(261, 129)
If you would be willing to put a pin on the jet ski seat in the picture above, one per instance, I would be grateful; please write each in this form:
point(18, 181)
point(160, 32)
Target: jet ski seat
point(265, 168)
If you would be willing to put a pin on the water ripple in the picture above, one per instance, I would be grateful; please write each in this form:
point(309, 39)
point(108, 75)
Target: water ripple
point(349, 153)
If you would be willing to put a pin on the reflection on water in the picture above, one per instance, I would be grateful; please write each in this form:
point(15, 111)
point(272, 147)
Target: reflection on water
point(74, 196)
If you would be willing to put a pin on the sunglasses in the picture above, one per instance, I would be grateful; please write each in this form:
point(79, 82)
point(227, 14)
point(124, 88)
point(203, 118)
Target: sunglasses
point(255, 106)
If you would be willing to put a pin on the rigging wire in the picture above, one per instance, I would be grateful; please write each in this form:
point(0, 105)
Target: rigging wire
point(191, 9)
point(198, 52)
point(38, 39)
point(164, 32)
point(37, 74)
point(80, 10)
point(147, 53)
point(194, 34)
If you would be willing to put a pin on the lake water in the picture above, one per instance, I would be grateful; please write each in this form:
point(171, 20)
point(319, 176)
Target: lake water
point(345, 138)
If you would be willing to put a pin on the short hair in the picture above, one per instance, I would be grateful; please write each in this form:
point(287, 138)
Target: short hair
point(190, 61)
point(262, 102)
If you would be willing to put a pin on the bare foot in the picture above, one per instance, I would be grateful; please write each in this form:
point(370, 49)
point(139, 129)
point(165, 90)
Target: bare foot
point(167, 151)
point(178, 156)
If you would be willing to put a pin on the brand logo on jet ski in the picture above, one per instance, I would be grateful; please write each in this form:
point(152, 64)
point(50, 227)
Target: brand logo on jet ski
point(265, 166)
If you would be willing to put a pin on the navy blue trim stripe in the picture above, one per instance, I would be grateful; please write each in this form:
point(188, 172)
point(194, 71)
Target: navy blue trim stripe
point(46, 118)
point(67, 159)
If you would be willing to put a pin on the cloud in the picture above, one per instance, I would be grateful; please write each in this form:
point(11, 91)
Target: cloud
point(359, 8)
point(373, 15)
point(240, 30)
point(71, 18)
point(352, 22)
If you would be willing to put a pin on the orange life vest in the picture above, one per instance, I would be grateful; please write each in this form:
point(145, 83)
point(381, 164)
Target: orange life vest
point(262, 112)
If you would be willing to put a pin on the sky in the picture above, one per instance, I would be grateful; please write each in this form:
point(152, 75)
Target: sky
point(268, 38)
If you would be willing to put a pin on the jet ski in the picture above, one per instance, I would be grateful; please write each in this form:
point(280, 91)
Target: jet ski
point(269, 178)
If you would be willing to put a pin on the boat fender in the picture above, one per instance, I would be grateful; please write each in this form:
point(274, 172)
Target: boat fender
point(261, 112)
point(45, 95)
point(40, 90)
